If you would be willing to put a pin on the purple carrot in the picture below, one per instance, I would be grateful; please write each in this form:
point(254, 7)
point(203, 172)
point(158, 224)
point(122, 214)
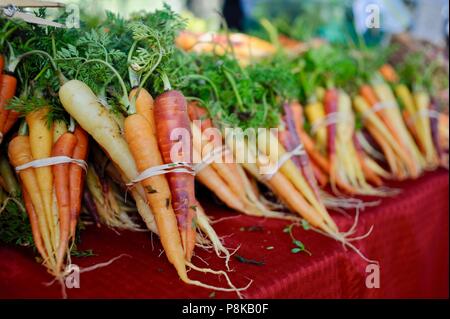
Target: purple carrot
point(331, 107)
point(358, 146)
point(290, 141)
point(434, 125)
point(371, 141)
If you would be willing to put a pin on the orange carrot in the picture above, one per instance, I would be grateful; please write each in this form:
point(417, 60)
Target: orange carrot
point(392, 159)
point(144, 104)
point(315, 155)
point(7, 91)
point(2, 63)
point(388, 73)
point(284, 189)
point(310, 148)
point(412, 128)
point(200, 114)
point(321, 177)
point(144, 148)
point(34, 222)
point(76, 176)
point(368, 93)
point(19, 153)
point(10, 120)
point(64, 146)
point(140, 135)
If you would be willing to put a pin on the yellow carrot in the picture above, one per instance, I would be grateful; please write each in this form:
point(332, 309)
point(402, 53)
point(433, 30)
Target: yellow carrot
point(19, 153)
point(385, 94)
point(267, 142)
point(41, 142)
point(59, 128)
point(377, 124)
point(315, 113)
point(422, 101)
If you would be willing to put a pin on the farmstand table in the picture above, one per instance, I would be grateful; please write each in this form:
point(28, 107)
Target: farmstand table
point(409, 239)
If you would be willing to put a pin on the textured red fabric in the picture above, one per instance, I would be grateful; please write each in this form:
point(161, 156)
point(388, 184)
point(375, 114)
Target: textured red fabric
point(410, 241)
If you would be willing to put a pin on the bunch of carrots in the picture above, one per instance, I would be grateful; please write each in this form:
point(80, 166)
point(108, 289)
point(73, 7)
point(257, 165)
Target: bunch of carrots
point(277, 160)
point(225, 178)
point(52, 194)
point(118, 102)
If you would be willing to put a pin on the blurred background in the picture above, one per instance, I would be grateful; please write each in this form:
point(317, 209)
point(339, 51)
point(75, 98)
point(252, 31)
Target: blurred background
point(334, 20)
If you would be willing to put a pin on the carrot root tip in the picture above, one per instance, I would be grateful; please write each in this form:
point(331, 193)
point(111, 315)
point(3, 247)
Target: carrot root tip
point(217, 272)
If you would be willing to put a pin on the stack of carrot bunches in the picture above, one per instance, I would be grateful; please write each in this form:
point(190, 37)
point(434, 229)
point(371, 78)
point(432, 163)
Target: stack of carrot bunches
point(349, 169)
point(225, 178)
point(334, 158)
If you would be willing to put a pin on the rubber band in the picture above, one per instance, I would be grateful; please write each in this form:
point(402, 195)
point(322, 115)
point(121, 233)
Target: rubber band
point(378, 107)
point(432, 114)
point(382, 106)
point(211, 157)
point(180, 167)
point(331, 118)
point(298, 151)
point(50, 161)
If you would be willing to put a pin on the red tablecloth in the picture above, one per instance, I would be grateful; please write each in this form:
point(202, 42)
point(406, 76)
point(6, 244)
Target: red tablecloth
point(410, 241)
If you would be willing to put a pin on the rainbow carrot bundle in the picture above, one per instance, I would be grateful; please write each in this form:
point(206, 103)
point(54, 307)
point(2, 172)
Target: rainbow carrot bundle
point(140, 146)
point(244, 114)
point(380, 109)
point(51, 171)
point(347, 160)
point(420, 111)
point(332, 125)
point(223, 176)
point(162, 119)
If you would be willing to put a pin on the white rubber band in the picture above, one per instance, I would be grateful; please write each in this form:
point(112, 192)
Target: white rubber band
point(180, 167)
point(425, 113)
point(331, 118)
point(378, 107)
point(382, 106)
point(299, 150)
point(211, 157)
point(50, 161)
